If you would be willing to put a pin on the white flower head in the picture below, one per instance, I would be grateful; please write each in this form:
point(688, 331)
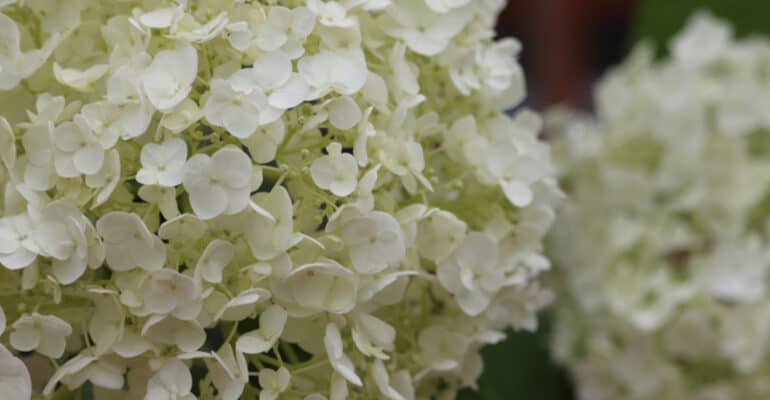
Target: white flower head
point(255, 96)
point(172, 293)
point(219, 184)
point(186, 335)
point(337, 171)
point(163, 164)
point(63, 234)
point(285, 181)
point(321, 286)
point(172, 381)
point(655, 241)
point(425, 31)
point(273, 73)
point(77, 149)
point(331, 13)
point(268, 238)
point(285, 29)
point(438, 234)
point(45, 334)
point(271, 323)
point(168, 80)
point(342, 71)
point(374, 239)
point(236, 106)
point(472, 273)
point(129, 244)
point(273, 383)
point(18, 249)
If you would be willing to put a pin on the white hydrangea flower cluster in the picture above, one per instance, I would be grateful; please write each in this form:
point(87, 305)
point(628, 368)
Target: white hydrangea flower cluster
point(664, 245)
point(299, 199)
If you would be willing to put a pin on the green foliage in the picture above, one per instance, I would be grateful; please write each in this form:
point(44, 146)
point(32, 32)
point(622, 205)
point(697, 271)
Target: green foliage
point(659, 20)
point(520, 368)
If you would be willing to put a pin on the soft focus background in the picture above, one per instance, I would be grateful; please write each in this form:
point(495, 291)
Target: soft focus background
point(568, 44)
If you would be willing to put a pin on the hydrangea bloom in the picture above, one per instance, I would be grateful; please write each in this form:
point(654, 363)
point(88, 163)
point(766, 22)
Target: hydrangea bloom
point(664, 244)
point(225, 199)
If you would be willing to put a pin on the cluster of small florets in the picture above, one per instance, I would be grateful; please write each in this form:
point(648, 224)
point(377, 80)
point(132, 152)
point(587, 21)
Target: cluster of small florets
point(664, 246)
point(296, 199)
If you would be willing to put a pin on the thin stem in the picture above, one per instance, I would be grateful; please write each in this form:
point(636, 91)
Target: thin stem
point(310, 366)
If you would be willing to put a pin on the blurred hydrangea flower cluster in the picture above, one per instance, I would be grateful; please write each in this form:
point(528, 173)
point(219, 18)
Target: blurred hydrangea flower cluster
point(297, 199)
point(664, 245)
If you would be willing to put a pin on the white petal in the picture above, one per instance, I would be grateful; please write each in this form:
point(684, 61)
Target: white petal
point(294, 92)
point(472, 302)
point(7, 144)
point(322, 172)
point(344, 112)
point(117, 227)
point(477, 251)
point(272, 321)
point(217, 255)
point(253, 343)
point(272, 70)
point(15, 380)
point(77, 79)
point(26, 340)
point(167, 81)
point(89, 160)
point(241, 121)
point(269, 38)
point(190, 338)
point(518, 193)
point(19, 259)
point(69, 270)
point(160, 18)
point(375, 90)
point(232, 167)
point(209, 202)
point(425, 44)
point(174, 373)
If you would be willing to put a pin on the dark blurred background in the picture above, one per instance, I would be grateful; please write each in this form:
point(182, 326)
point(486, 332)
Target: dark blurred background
point(568, 44)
